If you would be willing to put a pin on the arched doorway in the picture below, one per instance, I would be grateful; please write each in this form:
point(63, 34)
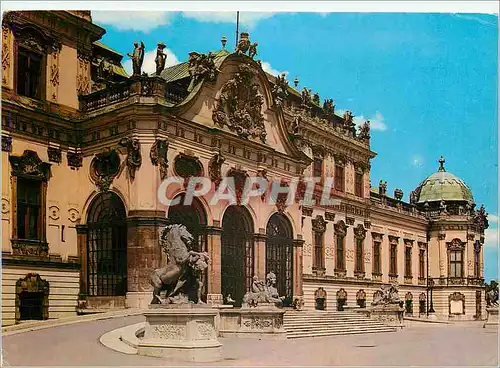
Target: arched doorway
point(237, 253)
point(279, 254)
point(194, 217)
point(107, 246)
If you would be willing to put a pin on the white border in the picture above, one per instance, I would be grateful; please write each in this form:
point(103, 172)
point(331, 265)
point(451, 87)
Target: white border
point(488, 7)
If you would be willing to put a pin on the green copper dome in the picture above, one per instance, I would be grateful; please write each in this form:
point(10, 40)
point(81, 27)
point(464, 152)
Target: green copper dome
point(443, 185)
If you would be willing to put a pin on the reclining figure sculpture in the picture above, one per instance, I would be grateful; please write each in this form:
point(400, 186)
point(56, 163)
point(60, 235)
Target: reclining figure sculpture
point(263, 293)
point(387, 295)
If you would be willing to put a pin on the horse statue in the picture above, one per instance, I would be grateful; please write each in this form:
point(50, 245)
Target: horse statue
point(492, 298)
point(181, 276)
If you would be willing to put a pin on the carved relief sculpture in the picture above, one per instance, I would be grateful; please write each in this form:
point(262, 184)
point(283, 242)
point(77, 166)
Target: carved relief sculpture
point(239, 105)
point(83, 74)
point(75, 159)
point(6, 50)
point(158, 155)
point(319, 224)
point(54, 154)
point(214, 168)
point(201, 67)
point(6, 143)
point(54, 72)
point(104, 168)
point(134, 158)
point(387, 295)
point(30, 164)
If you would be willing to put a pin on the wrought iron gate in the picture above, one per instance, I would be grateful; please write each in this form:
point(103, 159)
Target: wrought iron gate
point(237, 253)
point(279, 255)
point(107, 246)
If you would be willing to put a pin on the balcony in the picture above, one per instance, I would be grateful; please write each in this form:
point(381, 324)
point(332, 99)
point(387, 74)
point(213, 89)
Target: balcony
point(143, 86)
point(458, 281)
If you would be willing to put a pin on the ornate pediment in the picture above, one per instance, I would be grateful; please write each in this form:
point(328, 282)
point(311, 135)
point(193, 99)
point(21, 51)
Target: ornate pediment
point(30, 164)
point(319, 224)
point(359, 232)
point(456, 244)
point(340, 228)
point(239, 106)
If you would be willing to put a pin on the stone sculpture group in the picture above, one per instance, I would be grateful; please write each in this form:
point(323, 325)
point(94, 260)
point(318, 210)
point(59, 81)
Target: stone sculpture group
point(263, 293)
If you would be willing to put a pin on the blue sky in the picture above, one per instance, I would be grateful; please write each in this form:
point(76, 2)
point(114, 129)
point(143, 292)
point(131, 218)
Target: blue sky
point(426, 81)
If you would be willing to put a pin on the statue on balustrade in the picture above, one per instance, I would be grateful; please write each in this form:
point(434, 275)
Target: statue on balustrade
point(137, 58)
point(181, 277)
point(263, 293)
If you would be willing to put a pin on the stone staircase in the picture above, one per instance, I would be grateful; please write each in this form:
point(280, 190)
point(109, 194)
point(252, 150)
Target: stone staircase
point(314, 323)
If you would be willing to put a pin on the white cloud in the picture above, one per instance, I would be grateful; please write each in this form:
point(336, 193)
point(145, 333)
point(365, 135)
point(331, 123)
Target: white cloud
point(269, 69)
point(149, 65)
point(491, 237)
point(492, 218)
point(376, 122)
point(142, 21)
point(247, 19)
point(417, 161)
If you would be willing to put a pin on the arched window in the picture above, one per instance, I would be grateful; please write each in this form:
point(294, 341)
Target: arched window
point(279, 254)
point(107, 246)
point(237, 254)
point(192, 216)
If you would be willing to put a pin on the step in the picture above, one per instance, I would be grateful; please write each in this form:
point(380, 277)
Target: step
point(364, 325)
point(330, 327)
point(324, 334)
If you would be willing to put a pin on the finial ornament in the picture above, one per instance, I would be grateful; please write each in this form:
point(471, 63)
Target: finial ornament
point(441, 164)
point(296, 81)
point(223, 42)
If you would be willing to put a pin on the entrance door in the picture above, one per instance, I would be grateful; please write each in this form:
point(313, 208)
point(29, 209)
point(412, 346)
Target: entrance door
point(31, 305)
point(279, 255)
point(107, 246)
point(237, 253)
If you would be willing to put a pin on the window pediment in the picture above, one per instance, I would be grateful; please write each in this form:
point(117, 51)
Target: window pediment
point(29, 164)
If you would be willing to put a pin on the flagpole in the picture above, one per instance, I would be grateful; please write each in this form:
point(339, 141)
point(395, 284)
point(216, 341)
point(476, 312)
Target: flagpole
point(237, 27)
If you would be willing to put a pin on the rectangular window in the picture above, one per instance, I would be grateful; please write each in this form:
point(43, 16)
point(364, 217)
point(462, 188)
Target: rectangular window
point(358, 184)
point(376, 258)
point(318, 251)
point(393, 265)
point(340, 254)
point(318, 168)
point(29, 73)
point(421, 263)
point(28, 209)
point(359, 255)
point(339, 178)
point(456, 263)
point(408, 261)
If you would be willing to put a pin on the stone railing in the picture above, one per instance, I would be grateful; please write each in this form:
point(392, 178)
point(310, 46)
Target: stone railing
point(135, 86)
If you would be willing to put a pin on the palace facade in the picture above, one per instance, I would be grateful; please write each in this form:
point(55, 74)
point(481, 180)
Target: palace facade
point(85, 148)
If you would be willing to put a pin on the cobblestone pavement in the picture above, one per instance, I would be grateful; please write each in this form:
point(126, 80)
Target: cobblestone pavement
point(420, 344)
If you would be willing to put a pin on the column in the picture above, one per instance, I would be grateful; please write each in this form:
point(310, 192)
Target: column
point(214, 295)
point(81, 233)
point(298, 246)
point(143, 254)
point(259, 243)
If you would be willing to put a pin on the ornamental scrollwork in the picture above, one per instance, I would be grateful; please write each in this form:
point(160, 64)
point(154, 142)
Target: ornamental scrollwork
point(169, 332)
point(239, 106)
point(256, 323)
point(30, 164)
point(340, 228)
point(359, 232)
point(319, 224)
point(456, 244)
point(104, 167)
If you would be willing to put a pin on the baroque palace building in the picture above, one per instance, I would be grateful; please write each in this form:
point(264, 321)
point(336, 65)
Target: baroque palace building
point(85, 148)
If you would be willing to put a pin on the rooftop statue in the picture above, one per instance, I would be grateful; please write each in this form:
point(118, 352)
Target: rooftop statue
point(243, 43)
point(252, 50)
point(387, 295)
point(382, 188)
point(280, 89)
point(201, 66)
point(137, 58)
point(181, 276)
point(329, 108)
point(364, 130)
point(481, 219)
point(306, 97)
point(263, 293)
point(161, 58)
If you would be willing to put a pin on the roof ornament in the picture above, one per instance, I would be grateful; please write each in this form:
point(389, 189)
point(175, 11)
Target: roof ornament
point(296, 82)
point(244, 45)
point(223, 41)
point(137, 58)
point(441, 164)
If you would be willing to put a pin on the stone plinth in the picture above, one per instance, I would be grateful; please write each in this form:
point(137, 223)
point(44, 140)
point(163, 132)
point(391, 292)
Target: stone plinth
point(492, 319)
point(186, 333)
point(264, 322)
point(391, 315)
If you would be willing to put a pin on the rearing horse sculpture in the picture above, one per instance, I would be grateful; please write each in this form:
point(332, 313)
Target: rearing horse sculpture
point(182, 273)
